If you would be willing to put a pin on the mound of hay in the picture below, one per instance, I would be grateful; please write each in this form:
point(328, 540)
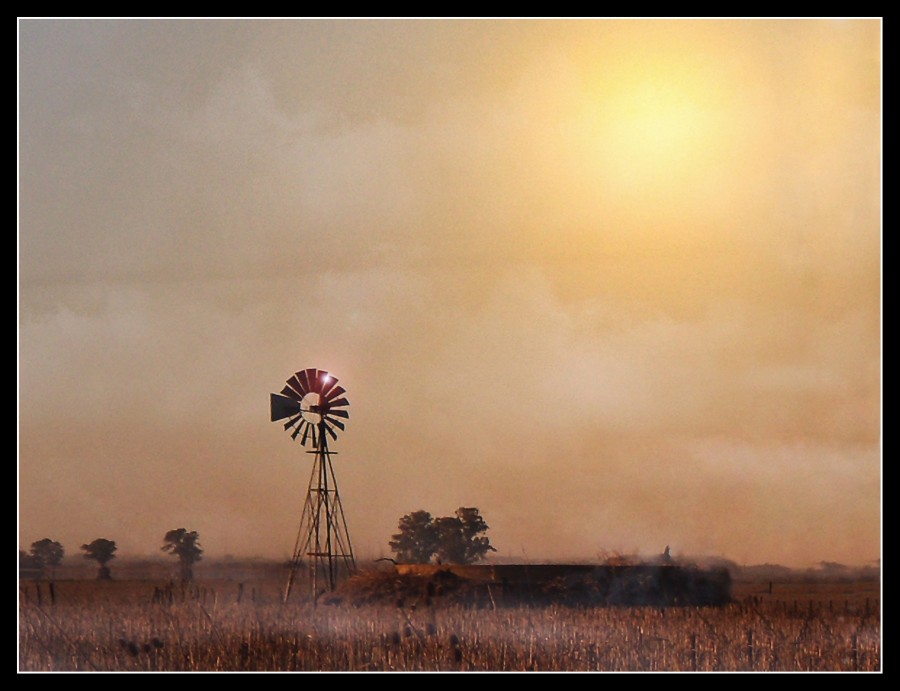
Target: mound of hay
point(408, 590)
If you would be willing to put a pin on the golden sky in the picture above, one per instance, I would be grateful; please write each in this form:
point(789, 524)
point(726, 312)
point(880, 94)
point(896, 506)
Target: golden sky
point(616, 283)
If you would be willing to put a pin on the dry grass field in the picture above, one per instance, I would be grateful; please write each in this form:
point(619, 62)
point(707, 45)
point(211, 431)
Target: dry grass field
point(221, 625)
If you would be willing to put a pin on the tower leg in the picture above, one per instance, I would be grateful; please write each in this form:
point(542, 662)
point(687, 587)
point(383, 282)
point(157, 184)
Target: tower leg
point(323, 537)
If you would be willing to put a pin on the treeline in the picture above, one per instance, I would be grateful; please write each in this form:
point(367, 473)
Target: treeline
point(46, 555)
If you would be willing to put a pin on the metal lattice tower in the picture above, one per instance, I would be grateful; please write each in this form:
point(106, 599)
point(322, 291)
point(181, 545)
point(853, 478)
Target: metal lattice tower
point(314, 406)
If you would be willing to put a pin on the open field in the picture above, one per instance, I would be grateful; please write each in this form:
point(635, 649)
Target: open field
point(222, 625)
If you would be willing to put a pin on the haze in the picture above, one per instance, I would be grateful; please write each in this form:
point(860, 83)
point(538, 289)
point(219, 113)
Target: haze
point(615, 283)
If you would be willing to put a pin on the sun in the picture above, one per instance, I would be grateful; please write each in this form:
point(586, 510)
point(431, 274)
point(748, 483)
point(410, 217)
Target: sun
point(655, 124)
point(649, 130)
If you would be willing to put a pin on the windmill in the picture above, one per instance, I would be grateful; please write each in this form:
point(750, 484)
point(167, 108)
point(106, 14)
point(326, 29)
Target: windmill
point(314, 406)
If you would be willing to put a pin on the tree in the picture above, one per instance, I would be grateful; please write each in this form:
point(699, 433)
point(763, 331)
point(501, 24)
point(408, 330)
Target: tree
point(29, 566)
point(102, 551)
point(416, 541)
point(186, 546)
point(451, 548)
point(460, 539)
point(47, 553)
point(473, 525)
point(456, 539)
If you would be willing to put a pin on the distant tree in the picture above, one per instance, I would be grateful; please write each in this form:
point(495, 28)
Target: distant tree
point(186, 546)
point(416, 541)
point(47, 553)
point(102, 551)
point(473, 527)
point(28, 564)
point(456, 539)
point(460, 538)
point(451, 548)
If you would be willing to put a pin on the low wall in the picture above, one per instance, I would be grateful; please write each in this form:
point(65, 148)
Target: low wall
point(633, 584)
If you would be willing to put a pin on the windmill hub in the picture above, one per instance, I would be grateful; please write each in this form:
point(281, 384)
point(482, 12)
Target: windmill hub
point(312, 411)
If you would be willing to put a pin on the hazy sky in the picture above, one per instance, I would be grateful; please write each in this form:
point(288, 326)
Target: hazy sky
point(615, 283)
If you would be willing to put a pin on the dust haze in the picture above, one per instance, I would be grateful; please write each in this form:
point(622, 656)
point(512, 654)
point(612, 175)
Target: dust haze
point(614, 283)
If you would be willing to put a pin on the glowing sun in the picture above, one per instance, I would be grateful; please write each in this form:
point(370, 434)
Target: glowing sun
point(650, 130)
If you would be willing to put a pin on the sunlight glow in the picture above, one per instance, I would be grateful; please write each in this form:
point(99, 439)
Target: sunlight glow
point(653, 130)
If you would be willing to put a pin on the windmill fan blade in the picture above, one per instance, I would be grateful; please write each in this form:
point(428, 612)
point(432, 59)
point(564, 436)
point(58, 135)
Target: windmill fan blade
point(328, 383)
point(313, 435)
point(330, 431)
point(312, 378)
point(303, 424)
point(293, 421)
point(282, 407)
point(304, 381)
point(340, 401)
point(336, 423)
point(340, 413)
point(335, 392)
point(290, 393)
point(295, 384)
point(306, 429)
